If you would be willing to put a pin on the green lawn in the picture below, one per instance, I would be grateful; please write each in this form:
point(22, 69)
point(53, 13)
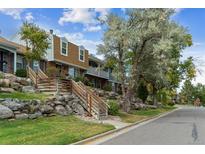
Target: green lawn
point(24, 96)
point(137, 115)
point(52, 130)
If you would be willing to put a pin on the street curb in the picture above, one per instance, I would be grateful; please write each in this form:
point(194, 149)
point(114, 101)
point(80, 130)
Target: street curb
point(83, 142)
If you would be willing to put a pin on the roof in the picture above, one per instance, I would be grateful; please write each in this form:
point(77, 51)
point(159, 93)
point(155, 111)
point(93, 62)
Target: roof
point(94, 58)
point(19, 48)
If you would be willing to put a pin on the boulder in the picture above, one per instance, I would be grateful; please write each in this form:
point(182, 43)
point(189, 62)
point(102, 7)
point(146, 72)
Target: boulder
point(59, 103)
point(61, 110)
point(16, 86)
point(35, 115)
point(5, 83)
point(12, 105)
point(69, 97)
point(68, 109)
point(22, 81)
point(60, 98)
point(21, 116)
point(5, 112)
point(6, 90)
point(46, 109)
point(28, 89)
point(78, 109)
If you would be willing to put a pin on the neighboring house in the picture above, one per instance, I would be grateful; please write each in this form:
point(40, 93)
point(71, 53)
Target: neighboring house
point(11, 56)
point(99, 75)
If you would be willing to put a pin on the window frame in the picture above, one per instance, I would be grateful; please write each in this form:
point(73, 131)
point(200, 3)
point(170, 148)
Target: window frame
point(61, 47)
point(81, 49)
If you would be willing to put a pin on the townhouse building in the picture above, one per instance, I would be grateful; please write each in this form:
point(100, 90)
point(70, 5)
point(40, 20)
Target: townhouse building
point(68, 58)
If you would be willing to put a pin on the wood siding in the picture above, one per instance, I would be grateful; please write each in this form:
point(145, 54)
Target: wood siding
point(73, 54)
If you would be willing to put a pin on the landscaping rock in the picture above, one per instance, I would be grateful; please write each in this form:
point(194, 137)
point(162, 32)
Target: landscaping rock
point(60, 98)
point(5, 112)
point(61, 110)
point(59, 103)
point(22, 81)
point(68, 109)
point(78, 109)
point(21, 116)
point(12, 105)
point(69, 97)
point(28, 89)
point(35, 115)
point(16, 86)
point(46, 109)
point(5, 83)
point(6, 90)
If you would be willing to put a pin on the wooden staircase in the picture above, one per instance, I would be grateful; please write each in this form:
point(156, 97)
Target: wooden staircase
point(95, 105)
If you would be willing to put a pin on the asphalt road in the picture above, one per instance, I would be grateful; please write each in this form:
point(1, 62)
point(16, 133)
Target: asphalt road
point(184, 126)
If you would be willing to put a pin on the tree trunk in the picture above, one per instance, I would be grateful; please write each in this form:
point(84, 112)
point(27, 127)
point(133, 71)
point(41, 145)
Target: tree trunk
point(154, 96)
point(122, 77)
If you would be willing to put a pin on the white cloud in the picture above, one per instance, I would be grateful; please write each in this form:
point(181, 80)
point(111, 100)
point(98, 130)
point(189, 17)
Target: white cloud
point(29, 17)
point(103, 12)
point(15, 13)
point(76, 15)
point(87, 17)
point(90, 28)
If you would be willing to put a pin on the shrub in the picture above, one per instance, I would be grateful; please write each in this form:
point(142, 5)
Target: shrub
point(114, 108)
point(21, 73)
point(78, 78)
point(1, 76)
point(107, 87)
point(51, 71)
point(142, 92)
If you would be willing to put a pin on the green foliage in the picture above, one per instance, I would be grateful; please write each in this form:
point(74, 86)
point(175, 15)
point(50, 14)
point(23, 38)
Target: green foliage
point(51, 71)
point(36, 40)
point(24, 96)
point(107, 87)
point(190, 93)
point(142, 91)
point(114, 107)
point(84, 80)
point(1, 76)
point(21, 73)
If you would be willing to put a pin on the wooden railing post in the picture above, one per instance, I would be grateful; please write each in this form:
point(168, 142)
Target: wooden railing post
point(37, 79)
point(90, 105)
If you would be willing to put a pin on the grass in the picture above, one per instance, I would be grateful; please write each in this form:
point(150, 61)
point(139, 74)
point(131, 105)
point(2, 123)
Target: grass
point(51, 130)
point(137, 115)
point(24, 96)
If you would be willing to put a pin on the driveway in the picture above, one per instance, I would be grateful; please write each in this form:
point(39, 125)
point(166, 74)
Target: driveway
point(184, 126)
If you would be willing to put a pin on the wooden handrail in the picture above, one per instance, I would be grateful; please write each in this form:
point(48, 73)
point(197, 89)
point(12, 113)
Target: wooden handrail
point(95, 104)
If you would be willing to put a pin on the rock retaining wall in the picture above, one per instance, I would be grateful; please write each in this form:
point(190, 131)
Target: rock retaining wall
point(32, 109)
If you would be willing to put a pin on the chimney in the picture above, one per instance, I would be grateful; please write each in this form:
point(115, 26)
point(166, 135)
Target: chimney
point(51, 31)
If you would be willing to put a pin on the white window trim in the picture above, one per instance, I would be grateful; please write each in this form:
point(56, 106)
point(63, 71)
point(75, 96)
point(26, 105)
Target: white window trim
point(66, 48)
point(83, 55)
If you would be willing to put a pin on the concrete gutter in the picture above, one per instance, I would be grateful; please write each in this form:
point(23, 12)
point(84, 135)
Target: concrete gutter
point(96, 137)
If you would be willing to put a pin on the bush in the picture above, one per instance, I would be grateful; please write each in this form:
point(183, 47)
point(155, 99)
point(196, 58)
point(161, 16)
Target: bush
point(114, 108)
point(142, 92)
point(51, 71)
point(21, 73)
point(84, 80)
point(107, 87)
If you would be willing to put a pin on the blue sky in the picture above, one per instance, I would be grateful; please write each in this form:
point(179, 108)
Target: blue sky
point(81, 26)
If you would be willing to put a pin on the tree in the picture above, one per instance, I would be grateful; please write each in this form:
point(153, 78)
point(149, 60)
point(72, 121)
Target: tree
point(155, 42)
point(114, 47)
point(36, 40)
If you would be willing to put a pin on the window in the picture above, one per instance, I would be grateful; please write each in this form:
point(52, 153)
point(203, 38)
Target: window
point(64, 48)
point(19, 62)
point(81, 55)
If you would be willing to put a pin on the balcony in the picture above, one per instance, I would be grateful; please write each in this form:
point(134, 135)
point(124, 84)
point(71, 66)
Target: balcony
point(96, 71)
